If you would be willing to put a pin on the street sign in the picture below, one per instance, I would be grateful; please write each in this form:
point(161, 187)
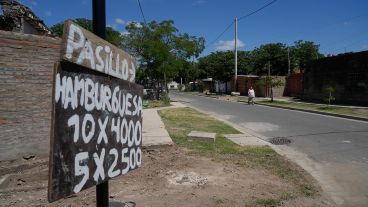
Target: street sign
point(96, 130)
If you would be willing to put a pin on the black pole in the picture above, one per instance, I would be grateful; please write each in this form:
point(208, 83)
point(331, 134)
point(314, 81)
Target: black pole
point(99, 25)
point(99, 18)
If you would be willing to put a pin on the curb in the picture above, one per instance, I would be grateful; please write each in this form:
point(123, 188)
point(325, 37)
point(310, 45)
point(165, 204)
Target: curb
point(317, 112)
point(304, 110)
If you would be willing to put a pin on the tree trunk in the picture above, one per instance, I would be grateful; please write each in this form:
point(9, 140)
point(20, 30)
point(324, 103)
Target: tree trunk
point(271, 94)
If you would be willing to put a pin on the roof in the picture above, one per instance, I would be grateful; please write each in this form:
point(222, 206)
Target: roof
point(17, 11)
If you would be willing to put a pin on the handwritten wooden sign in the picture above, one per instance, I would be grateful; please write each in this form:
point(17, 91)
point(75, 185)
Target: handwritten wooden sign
point(86, 49)
point(96, 130)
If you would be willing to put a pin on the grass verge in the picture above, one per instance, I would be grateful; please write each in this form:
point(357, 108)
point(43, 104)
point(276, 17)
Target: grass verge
point(318, 107)
point(179, 122)
point(156, 103)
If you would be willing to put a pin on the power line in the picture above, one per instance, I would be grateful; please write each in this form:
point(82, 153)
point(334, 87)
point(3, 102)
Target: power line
point(140, 7)
point(254, 12)
point(218, 37)
point(242, 17)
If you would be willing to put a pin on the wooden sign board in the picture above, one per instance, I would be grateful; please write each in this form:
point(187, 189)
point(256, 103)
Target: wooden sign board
point(84, 48)
point(96, 129)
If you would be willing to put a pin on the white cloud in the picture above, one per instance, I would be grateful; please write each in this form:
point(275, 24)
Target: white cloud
point(34, 3)
point(114, 26)
point(228, 45)
point(198, 2)
point(119, 21)
point(48, 13)
point(125, 33)
point(136, 24)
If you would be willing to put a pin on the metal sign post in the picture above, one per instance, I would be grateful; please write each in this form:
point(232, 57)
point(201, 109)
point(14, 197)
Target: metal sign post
point(96, 122)
point(99, 25)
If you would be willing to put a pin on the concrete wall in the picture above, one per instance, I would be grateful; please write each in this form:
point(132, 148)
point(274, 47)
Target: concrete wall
point(26, 73)
point(347, 74)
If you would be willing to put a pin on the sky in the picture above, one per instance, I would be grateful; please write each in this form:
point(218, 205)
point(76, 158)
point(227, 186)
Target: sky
point(338, 26)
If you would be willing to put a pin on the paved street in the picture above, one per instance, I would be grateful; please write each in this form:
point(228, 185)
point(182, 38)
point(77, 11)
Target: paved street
point(339, 145)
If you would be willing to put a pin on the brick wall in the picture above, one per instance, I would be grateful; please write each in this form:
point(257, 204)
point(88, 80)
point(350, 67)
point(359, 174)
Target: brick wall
point(26, 69)
point(245, 82)
point(347, 74)
point(294, 84)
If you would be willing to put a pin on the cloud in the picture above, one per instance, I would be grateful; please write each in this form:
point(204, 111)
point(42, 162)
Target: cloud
point(119, 21)
point(34, 3)
point(114, 26)
point(198, 2)
point(48, 13)
point(136, 24)
point(228, 45)
point(125, 33)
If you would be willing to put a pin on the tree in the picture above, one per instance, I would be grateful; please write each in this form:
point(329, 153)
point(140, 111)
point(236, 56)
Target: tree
point(328, 93)
point(269, 82)
point(275, 53)
point(112, 36)
point(305, 51)
point(220, 65)
point(162, 51)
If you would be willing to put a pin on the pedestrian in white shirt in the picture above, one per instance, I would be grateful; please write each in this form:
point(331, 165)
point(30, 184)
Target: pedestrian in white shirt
point(251, 95)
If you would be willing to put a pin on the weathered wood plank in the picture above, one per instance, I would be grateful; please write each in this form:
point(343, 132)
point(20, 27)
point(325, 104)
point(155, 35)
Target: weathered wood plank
point(96, 129)
point(84, 48)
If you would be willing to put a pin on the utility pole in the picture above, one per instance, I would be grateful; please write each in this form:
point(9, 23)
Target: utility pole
point(289, 61)
point(236, 55)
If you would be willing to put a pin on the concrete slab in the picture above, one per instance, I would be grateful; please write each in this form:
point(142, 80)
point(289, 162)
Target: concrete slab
point(203, 136)
point(246, 140)
point(154, 132)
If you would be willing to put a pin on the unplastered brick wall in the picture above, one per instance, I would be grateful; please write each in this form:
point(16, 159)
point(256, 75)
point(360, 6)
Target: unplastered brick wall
point(26, 75)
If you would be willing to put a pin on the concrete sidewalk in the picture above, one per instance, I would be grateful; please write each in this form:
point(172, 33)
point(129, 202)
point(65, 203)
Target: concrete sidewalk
point(154, 132)
point(156, 135)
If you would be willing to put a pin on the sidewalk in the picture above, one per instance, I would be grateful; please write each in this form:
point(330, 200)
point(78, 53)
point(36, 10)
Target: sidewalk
point(154, 132)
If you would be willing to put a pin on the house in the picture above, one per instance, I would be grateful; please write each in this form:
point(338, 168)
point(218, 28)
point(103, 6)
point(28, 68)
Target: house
point(19, 18)
point(173, 85)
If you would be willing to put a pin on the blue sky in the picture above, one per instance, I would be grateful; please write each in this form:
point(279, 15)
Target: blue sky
point(336, 25)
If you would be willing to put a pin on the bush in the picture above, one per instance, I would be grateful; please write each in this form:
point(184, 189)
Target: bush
point(328, 94)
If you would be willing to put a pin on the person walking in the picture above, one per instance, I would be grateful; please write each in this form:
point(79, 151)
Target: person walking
point(251, 95)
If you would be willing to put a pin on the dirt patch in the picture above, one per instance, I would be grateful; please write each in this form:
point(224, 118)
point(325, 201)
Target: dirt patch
point(168, 177)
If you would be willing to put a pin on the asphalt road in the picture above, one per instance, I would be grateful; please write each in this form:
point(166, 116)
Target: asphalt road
point(340, 145)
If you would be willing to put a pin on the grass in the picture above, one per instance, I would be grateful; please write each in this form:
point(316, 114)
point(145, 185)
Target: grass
point(179, 122)
point(323, 108)
point(157, 103)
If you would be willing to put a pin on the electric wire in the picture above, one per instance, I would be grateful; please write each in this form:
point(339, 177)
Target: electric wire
point(140, 7)
point(256, 11)
point(240, 18)
point(219, 36)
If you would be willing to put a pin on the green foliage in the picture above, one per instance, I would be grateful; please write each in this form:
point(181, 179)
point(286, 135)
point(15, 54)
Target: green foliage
point(273, 53)
point(112, 36)
point(163, 52)
point(270, 82)
point(328, 94)
point(303, 52)
point(220, 65)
